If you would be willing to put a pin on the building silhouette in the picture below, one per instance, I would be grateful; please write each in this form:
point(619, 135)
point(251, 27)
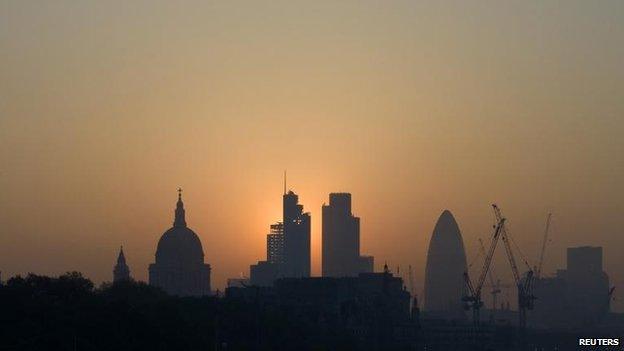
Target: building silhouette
point(296, 238)
point(444, 273)
point(578, 296)
point(370, 311)
point(367, 264)
point(288, 246)
point(237, 282)
point(263, 273)
point(587, 284)
point(121, 272)
point(179, 268)
point(341, 239)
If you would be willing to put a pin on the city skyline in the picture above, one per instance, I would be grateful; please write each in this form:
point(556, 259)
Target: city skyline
point(105, 109)
point(420, 290)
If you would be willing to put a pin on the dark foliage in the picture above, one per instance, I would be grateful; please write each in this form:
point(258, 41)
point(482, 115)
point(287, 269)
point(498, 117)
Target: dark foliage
point(68, 313)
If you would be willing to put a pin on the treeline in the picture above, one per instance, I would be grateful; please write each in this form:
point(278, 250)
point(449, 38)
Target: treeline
point(69, 313)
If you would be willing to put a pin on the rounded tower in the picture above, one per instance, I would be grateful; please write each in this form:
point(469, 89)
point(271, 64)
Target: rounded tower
point(444, 274)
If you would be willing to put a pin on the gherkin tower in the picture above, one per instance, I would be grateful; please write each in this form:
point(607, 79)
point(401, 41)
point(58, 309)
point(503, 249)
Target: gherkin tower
point(446, 264)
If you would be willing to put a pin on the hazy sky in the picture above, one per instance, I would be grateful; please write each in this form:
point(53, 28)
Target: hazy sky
point(413, 107)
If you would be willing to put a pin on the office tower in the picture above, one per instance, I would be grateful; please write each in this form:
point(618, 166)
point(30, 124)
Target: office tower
point(296, 238)
point(341, 239)
point(179, 268)
point(121, 272)
point(446, 264)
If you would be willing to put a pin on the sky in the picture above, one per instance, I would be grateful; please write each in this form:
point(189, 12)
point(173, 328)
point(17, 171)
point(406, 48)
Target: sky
point(106, 108)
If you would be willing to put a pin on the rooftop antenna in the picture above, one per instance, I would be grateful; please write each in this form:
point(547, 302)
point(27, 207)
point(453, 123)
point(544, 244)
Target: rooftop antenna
point(284, 182)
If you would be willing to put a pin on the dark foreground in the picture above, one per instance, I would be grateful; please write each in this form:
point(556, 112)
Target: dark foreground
point(69, 313)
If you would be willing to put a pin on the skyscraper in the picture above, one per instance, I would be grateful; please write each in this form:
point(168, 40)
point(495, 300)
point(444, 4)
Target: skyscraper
point(121, 272)
point(341, 239)
point(446, 264)
point(179, 268)
point(296, 238)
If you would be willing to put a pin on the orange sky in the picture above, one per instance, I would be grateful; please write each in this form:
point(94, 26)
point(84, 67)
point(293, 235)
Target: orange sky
point(106, 108)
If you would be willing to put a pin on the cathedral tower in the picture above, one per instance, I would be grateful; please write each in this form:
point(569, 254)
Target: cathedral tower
point(121, 272)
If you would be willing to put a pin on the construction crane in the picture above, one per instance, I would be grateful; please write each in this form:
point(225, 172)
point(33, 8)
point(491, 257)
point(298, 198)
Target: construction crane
point(473, 299)
point(494, 283)
point(524, 285)
point(538, 271)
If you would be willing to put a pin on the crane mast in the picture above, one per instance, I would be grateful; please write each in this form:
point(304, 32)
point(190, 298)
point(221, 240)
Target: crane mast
point(538, 272)
point(473, 299)
point(494, 284)
point(525, 295)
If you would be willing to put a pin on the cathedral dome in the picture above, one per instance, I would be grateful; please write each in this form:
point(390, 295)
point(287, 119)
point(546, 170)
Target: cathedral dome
point(179, 245)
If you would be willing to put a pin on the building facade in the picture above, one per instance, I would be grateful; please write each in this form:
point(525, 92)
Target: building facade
point(275, 244)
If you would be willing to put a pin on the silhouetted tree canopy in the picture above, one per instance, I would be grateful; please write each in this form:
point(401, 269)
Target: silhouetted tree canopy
point(69, 313)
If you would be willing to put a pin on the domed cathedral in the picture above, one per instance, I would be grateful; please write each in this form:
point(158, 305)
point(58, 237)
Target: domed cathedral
point(179, 268)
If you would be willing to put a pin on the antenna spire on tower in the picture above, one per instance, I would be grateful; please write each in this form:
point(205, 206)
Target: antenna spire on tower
point(179, 211)
point(284, 182)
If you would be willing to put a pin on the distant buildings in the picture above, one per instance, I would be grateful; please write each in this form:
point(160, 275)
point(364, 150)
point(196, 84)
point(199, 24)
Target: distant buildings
point(288, 246)
point(263, 273)
point(288, 243)
point(577, 296)
point(587, 283)
point(121, 272)
point(371, 310)
point(341, 240)
point(179, 268)
point(444, 274)
point(238, 282)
